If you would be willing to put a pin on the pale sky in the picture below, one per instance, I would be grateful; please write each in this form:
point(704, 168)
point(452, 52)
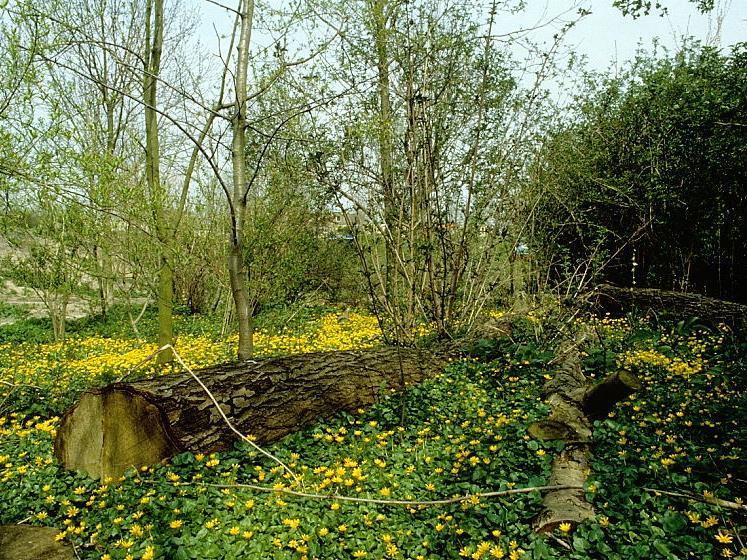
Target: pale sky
point(604, 38)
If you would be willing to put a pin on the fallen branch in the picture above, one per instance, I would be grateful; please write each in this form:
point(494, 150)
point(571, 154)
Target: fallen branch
point(574, 403)
point(709, 310)
point(704, 499)
point(378, 501)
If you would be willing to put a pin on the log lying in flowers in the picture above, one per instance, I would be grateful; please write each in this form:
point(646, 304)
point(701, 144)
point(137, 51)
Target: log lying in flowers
point(709, 310)
point(144, 422)
point(574, 403)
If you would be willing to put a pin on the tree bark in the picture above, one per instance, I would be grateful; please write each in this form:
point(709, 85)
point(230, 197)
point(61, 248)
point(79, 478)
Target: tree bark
point(237, 268)
point(144, 422)
point(152, 62)
point(574, 403)
point(709, 310)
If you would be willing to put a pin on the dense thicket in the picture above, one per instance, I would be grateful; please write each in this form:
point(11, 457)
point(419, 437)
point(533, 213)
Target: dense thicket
point(648, 185)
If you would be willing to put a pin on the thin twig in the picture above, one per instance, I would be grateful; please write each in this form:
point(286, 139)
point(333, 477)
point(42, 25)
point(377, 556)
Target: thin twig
point(15, 385)
point(705, 499)
point(561, 542)
point(148, 358)
point(341, 498)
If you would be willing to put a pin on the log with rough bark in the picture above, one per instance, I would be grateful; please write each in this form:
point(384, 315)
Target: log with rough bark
point(709, 310)
point(575, 402)
point(144, 422)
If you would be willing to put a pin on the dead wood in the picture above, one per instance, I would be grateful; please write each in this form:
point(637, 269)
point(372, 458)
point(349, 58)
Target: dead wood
point(144, 422)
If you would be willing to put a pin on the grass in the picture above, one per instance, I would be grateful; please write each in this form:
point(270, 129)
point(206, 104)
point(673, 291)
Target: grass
point(464, 432)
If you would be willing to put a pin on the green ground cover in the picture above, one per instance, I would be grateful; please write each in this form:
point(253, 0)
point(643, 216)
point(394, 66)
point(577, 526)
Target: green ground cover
point(464, 432)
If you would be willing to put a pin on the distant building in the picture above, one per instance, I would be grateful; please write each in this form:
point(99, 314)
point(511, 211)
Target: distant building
point(349, 218)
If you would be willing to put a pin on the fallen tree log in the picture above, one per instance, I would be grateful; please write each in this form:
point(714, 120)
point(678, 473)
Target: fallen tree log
point(141, 423)
point(574, 403)
point(711, 311)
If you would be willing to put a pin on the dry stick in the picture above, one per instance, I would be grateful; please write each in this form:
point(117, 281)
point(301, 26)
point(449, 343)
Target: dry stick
point(342, 498)
point(561, 542)
point(12, 390)
point(705, 499)
point(148, 358)
point(215, 402)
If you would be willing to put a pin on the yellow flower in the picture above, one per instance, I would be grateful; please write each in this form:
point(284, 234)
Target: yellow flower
point(710, 522)
point(234, 530)
point(604, 521)
point(565, 527)
point(359, 554)
point(497, 552)
point(176, 524)
point(723, 538)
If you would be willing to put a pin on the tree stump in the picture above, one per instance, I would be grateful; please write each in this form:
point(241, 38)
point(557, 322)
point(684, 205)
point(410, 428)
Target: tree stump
point(26, 542)
point(144, 422)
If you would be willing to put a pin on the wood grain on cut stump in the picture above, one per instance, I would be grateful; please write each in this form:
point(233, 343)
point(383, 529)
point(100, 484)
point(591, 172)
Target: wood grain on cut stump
point(25, 542)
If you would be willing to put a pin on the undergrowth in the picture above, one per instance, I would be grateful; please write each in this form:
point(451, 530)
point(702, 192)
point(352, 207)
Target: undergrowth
point(464, 432)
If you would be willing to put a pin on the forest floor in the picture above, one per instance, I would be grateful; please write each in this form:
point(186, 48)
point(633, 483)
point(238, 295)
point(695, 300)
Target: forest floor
point(464, 432)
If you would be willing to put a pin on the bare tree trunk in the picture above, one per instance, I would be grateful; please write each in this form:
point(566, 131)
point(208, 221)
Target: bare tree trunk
point(101, 281)
point(380, 26)
point(57, 308)
point(153, 49)
point(239, 278)
point(237, 269)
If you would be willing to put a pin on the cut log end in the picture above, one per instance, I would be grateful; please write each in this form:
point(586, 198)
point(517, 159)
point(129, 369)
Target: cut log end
point(566, 506)
point(111, 430)
point(599, 400)
point(25, 542)
point(548, 430)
